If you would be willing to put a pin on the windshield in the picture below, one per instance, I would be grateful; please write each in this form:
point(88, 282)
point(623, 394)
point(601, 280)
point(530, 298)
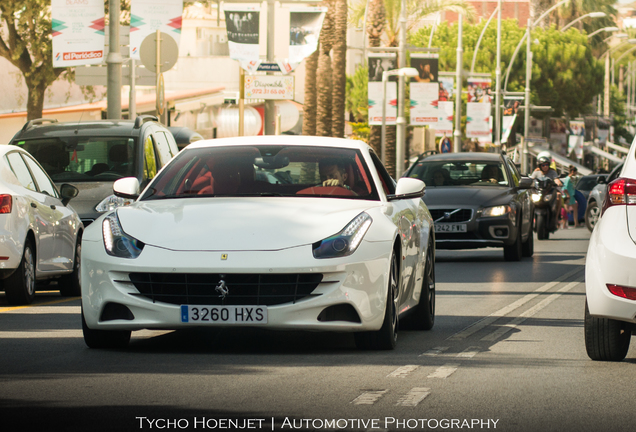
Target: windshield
point(84, 159)
point(265, 171)
point(460, 173)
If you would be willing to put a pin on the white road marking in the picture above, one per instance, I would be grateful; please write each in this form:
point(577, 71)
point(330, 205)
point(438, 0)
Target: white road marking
point(444, 371)
point(415, 396)
point(434, 351)
point(485, 322)
point(369, 397)
point(403, 371)
point(469, 352)
point(499, 332)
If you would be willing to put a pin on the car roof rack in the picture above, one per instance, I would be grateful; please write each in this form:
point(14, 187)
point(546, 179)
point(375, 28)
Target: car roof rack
point(36, 122)
point(143, 119)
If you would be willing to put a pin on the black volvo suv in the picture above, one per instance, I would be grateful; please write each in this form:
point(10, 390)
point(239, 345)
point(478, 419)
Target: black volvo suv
point(92, 155)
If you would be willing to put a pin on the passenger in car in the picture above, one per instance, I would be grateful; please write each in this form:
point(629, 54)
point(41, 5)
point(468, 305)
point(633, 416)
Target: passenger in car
point(490, 174)
point(440, 176)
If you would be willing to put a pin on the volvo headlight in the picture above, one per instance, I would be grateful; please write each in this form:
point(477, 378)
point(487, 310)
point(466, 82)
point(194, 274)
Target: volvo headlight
point(112, 202)
point(495, 211)
point(116, 241)
point(346, 241)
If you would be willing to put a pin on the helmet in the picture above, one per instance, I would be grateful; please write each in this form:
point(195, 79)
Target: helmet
point(543, 159)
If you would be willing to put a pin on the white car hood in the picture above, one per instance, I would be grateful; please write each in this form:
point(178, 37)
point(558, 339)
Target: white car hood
point(238, 224)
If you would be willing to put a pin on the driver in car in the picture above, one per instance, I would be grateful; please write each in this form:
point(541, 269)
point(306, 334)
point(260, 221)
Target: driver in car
point(333, 173)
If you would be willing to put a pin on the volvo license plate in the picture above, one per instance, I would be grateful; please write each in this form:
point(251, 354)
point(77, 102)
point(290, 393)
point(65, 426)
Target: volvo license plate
point(450, 227)
point(196, 314)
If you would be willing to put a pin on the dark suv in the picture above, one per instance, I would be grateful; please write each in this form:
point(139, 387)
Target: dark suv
point(92, 155)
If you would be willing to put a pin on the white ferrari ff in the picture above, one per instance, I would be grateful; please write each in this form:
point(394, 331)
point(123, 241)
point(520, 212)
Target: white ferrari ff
point(610, 280)
point(281, 232)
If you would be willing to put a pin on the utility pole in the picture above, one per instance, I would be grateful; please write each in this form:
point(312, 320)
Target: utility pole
point(114, 61)
point(270, 106)
point(457, 134)
point(526, 114)
point(400, 122)
point(498, 80)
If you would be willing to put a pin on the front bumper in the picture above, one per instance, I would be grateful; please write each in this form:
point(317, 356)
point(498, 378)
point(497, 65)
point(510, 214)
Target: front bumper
point(481, 232)
point(359, 280)
point(611, 256)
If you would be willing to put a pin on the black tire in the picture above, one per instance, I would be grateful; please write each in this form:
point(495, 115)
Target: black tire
point(423, 317)
point(527, 248)
point(108, 339)
point(20, 286)
point(386, 337)
point(542, 227)
point(592, 213)
point(71, 285)
point(514, 251)
point(606, 339)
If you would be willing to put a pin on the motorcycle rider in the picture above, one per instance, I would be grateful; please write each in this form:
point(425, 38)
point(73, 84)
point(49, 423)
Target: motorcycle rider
point(543, 170)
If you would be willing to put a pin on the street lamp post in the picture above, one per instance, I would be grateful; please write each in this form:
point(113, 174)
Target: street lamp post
point(457, 134)
point(526, 114)
point(399, 152)
point(498, 80)
point(589, 15)
point(606, 29)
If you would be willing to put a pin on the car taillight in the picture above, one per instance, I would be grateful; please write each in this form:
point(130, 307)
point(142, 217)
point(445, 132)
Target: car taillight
point(622, 291)
point(621, 191)
point(5, 203)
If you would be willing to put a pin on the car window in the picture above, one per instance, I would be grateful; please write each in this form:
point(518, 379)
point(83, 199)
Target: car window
point(516, 177)
point(19, 168)
point(266, 171)
point(84, 158)
point(614, 175)
point(388, 184)
point(163, 147)
point(150, 161)
point(587, 183)
point(460, 173)
point(44, 184)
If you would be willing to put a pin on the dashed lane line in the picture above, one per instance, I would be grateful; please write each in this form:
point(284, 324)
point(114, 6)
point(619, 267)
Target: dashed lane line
point(501, 331)
point(64, 300)
point(485, 322)
point(403, 371)
point(414, 397)
point(434, 351)
point(444, 371)
point(369, 397)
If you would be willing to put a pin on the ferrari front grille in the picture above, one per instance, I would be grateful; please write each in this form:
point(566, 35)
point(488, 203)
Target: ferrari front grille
point(225, 289)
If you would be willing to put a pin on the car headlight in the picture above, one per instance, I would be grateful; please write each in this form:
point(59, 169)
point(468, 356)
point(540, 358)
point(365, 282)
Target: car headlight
point(112, 202)
point(116, 241)
point(536, 197)
point(346, 241)
point(495, 211)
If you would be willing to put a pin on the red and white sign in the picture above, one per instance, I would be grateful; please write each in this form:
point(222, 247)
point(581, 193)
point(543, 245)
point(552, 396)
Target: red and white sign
point(84, 55)
point(78, 32)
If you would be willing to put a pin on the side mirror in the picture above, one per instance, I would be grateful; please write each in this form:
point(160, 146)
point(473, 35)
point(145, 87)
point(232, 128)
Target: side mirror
point(526, 183)
point(601, 180)
point(408, 188)
point(127, 187)
point(68, 192)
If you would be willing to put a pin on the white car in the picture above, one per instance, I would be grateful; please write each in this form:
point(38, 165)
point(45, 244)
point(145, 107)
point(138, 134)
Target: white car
point(39, 233)
point(337, 247)
point(610, 281)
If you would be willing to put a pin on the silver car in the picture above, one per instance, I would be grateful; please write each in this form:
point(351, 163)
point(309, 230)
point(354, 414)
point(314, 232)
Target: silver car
point(596, 197)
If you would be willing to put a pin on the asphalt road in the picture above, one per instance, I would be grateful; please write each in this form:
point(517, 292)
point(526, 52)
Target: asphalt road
point(506, 353)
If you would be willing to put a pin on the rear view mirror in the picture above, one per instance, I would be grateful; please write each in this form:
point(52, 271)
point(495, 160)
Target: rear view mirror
point(271, 162)
point(127, 187)
point(408, 188)
point(526, 183)
point(68, 192)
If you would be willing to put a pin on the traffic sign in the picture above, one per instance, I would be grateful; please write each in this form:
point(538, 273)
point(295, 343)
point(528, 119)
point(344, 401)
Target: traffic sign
point(168, 51)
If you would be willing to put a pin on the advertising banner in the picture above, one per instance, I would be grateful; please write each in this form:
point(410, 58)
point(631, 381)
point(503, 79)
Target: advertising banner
point(378, 63)
point(427, 65)
point(479, 90)
point(445, 118)
point(506, 126)
point(375, 103)
point(78, 32)
point(242, 24)
point(148, 16)
point(424, 101)
point(478, 121)
point(446, 85)
point(304, 30)
point(576, 138)
point(269, 87)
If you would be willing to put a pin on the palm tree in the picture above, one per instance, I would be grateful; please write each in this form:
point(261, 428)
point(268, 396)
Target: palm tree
point(324, 72)
point(376, 20)
point(339, 80)
point(309, 108)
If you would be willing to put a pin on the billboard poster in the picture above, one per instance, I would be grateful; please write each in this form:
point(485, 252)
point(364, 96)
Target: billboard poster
point(478, 121)
point(304, 30)
point(78, 32)
point(269, 87)
point(380, 62)
point(375, 103)
point(446, 85)
point(512, 104)
point(427, 65)
point(424, 101)
point(243, 26)
point(148, 16)
point(576, 138)
point(446, 115)
point(479, 90)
